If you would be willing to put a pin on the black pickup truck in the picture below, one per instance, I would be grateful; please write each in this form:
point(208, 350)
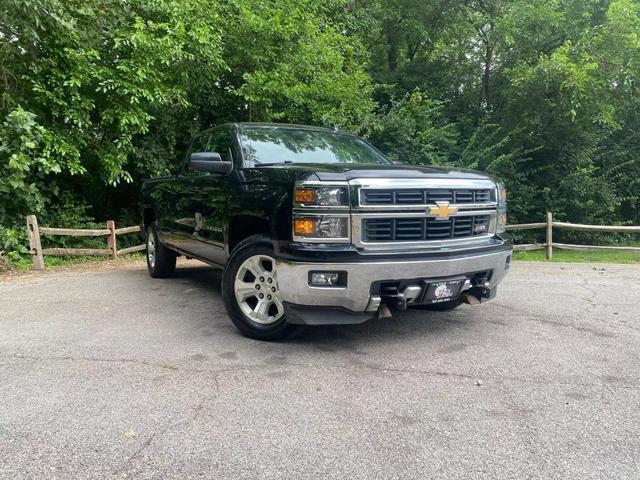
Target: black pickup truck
point(312, 226)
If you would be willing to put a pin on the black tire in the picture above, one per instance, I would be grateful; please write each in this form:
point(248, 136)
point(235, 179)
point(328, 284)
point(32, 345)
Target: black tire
point(161, 262)
point(439, 307)
point(258, 247)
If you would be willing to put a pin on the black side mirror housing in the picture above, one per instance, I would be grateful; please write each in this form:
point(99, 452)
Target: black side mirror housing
point(209, 162)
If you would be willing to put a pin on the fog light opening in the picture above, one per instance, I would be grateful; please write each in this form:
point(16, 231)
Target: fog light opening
point(327, 279)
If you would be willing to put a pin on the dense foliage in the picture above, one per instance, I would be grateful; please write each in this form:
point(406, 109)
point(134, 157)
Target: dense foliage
point(99, 94)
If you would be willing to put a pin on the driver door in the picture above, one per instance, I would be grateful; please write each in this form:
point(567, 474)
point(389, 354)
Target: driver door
point(203, 199)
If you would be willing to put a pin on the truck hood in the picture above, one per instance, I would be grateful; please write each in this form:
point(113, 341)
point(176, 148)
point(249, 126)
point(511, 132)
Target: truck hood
point(345, 172)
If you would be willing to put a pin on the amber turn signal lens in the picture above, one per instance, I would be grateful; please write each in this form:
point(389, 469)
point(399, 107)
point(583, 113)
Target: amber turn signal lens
point(304, 195)
point(503, 195)
point(304, 227)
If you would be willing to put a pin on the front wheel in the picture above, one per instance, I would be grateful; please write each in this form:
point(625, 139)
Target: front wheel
point(251, 293)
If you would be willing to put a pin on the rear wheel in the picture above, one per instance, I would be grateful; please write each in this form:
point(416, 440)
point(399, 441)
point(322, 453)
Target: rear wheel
point(251, 293)
point(161, 262)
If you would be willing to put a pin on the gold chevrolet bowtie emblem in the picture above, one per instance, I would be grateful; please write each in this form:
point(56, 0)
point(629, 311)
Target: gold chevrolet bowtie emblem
point(443, 210)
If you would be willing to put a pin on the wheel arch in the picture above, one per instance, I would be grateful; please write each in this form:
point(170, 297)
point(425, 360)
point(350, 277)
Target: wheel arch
point(148, 217)
point(244, 227)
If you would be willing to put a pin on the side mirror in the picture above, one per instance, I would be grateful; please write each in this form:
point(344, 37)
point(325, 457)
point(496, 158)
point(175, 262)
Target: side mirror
point(209, 162)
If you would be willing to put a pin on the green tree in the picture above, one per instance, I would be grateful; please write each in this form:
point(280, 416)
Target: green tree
point(99, 94)
point(540, 93)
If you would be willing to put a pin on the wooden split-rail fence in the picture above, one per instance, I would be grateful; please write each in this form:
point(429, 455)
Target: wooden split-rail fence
point(111, 232)
point(549, 245)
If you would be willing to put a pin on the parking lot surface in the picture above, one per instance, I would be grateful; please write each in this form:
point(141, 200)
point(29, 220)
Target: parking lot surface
point(112, 374)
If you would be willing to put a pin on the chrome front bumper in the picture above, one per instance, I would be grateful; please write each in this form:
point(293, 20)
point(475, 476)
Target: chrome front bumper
point(356, 297)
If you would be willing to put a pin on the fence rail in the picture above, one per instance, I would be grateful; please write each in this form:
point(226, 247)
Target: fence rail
point(550, 244)
point(111, 232)
point(74, 232)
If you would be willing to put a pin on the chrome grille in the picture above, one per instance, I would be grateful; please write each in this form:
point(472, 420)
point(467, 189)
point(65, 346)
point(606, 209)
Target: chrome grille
point(423, 196)
point(419, 229)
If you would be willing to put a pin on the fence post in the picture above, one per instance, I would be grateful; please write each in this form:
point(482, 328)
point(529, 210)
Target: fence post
point(35, 247)
point(111, 239)
point(549, 236)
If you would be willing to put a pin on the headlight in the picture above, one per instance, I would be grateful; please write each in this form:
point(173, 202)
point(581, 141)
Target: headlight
point(321, 228)
point(321, 196)
point(502, 208)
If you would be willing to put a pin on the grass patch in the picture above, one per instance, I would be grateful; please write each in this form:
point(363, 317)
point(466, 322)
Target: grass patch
point(579, 256)
point(25, 262)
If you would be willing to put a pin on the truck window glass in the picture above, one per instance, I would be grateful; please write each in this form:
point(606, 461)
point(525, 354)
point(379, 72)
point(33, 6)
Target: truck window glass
point(266, 144)
point(220, 142)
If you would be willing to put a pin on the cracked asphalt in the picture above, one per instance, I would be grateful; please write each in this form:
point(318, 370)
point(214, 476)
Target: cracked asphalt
point(111, 374)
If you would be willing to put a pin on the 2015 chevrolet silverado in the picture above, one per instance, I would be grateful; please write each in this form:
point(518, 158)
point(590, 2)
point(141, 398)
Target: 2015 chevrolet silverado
point(312, 226)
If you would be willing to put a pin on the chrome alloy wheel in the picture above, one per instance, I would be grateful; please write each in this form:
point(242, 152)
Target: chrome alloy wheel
point(256, 290)
point(151, 249)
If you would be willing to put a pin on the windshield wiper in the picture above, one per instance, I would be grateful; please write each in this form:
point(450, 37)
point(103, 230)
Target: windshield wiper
point(270, 164)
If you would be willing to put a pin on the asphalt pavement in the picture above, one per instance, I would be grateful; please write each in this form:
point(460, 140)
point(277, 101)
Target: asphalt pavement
point(112, 374)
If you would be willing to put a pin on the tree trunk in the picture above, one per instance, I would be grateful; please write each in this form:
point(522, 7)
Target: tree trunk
point(484, 95)
point(392, 47)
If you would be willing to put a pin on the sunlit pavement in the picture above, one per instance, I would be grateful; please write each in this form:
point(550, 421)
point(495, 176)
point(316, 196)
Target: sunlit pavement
point(111, 374)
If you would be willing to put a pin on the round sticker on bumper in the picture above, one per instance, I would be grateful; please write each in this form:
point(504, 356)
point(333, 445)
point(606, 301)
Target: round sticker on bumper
point(442, 291)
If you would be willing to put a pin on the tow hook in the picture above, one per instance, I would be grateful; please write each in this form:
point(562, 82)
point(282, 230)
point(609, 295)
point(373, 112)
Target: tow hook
point(393, 298)
point(397, 301)
point(384, 311)
point(470, 298)
point(478, 294)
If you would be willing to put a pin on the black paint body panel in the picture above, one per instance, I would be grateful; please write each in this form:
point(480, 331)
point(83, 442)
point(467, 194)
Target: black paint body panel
point(195, 210)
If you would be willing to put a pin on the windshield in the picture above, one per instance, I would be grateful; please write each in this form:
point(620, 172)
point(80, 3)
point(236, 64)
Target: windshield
point(269, 145)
